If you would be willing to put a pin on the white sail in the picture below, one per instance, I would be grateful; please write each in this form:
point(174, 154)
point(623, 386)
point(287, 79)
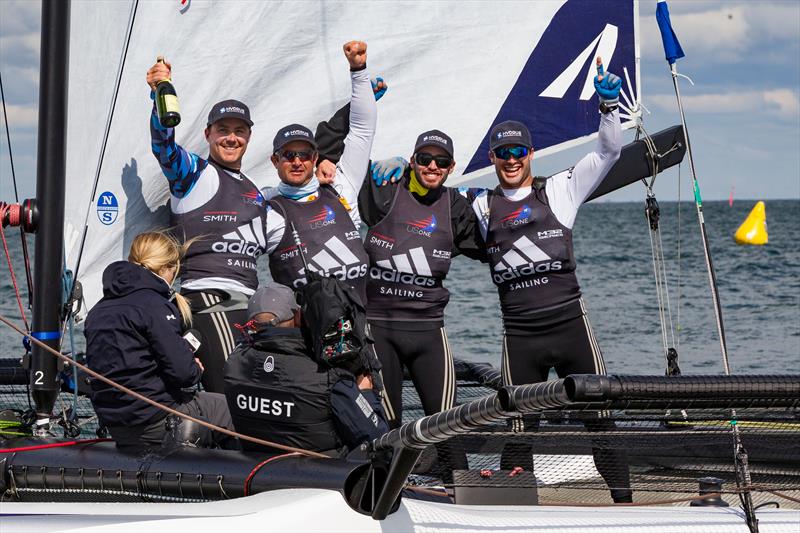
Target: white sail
point(456, 66)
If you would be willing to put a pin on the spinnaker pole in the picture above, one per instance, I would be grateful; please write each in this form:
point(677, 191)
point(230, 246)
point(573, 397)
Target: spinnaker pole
point(50, 189)
point(673, 51)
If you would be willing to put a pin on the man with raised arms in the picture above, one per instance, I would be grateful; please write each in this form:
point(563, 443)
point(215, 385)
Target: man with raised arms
point(215, 205)
point(526, 223)
point(324, 217)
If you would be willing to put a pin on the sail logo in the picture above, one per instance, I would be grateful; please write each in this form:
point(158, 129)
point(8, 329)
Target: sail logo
point(603, 45)
point(247, 239)
point(508, 133)
point(335, 260)
point(325, 217)
point(107, 208)
point(423, 227)
point(517, 218)
point(411, 268)
point(522, 260)
point(269, 364)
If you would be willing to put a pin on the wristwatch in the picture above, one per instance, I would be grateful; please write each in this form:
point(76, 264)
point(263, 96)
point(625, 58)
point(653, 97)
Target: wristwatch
point(605, 108)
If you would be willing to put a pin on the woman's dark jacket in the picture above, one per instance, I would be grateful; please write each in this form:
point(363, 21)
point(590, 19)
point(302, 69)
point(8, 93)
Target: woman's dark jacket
point(133, 336)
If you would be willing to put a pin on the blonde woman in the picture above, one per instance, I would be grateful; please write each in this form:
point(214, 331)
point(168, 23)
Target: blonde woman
point(133, 336)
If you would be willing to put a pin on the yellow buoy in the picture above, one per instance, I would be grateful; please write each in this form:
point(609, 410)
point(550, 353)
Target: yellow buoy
point(754, 228)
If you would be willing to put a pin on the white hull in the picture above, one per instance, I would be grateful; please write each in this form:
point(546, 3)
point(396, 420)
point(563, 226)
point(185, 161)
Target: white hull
point(301, 510)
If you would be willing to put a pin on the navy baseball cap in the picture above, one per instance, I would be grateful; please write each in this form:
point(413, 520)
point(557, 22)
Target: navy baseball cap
point(229, 109)
point(435, 138)
point(293, 132)
point(510, 132)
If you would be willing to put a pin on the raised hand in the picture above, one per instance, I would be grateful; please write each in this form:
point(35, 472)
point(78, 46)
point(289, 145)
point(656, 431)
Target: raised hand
point(607, 85)
point(161, 71)
point(356, 54)
point(388, 170)
point(325, 172)
point(379, 87)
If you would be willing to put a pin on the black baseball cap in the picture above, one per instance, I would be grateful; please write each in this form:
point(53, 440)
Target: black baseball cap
point(229, 109)
point(435, 138)
point(510, 132)
point(293, 132)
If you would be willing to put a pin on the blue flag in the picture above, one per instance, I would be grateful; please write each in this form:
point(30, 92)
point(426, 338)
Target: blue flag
point(672, 48)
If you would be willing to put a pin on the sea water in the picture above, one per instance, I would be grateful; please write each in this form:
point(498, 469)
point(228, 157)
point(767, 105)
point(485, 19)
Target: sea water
point(759, 290)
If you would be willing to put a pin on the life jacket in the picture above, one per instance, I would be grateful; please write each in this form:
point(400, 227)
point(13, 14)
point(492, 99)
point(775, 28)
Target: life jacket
point(277, 392)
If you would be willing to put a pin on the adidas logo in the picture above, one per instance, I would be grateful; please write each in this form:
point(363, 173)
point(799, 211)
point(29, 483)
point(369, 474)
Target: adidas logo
point(247, 239)
point(523, 259)
point(402, 270)
point(334, 260)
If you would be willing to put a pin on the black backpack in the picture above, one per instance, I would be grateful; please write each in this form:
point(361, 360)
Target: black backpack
point(335, 325)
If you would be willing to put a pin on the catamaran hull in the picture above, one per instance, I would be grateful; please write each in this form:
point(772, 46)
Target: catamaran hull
point(301, 510)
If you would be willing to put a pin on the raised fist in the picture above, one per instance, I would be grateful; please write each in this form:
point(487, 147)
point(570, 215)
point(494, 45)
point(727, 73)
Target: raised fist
point(161, 71)
point(326, 172)
point(356, 54)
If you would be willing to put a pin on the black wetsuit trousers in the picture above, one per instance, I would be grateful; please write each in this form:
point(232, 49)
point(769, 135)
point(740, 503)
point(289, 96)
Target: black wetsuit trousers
point(570, 347)
point(427, 356)
point(219, 335)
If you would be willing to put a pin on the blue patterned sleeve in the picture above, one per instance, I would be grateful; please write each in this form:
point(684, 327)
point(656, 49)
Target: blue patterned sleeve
point(181, 167)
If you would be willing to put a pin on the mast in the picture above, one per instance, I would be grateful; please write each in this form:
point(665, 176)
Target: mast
point(50, 189)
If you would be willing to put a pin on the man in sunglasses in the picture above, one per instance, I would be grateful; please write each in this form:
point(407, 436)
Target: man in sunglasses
point(323, 218)
point(526, 223)
point(416, 226)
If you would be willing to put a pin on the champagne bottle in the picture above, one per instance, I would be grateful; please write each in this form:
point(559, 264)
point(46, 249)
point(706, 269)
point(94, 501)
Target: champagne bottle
point(169, 113)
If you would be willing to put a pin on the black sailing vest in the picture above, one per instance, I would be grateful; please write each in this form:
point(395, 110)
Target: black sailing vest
point(530, 254)
point(230, 232)
point(276, 392)
point(331, 243)
point(409, 257)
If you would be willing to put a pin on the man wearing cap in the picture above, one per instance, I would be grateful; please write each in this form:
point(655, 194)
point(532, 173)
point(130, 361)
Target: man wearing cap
point(277, 391)
point(416, 226)
point(213, 203)
point(526, 223)
point(324, 219)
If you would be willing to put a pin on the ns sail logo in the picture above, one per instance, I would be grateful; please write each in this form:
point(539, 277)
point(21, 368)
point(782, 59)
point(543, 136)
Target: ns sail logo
point(107, 208)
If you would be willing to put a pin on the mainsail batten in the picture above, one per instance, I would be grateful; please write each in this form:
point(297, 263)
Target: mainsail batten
point(455, 71)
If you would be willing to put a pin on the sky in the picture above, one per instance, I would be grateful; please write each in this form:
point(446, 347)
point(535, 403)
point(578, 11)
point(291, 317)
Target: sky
point(743, 113)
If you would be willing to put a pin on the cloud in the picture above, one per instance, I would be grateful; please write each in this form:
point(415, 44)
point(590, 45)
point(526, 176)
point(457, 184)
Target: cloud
point(20, 116)
point(782, 103)
point(730, 32)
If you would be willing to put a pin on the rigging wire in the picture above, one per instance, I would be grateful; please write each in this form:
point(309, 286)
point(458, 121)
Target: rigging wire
point(109, 120)
point(25, 254)
point(652, 212)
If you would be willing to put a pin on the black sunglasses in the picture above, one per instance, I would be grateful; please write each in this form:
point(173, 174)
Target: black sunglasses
point(424, 159)
point(507, 152)
point(289, 155)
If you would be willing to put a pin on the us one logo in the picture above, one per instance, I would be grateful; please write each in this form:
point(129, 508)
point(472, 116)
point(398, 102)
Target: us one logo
point(107, 208)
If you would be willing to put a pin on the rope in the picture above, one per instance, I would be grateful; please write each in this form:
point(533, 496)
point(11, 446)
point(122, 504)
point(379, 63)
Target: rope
point(51, 445)
point(255, 470)
point(157, 405)
point(3, 209)
point(106, 133)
